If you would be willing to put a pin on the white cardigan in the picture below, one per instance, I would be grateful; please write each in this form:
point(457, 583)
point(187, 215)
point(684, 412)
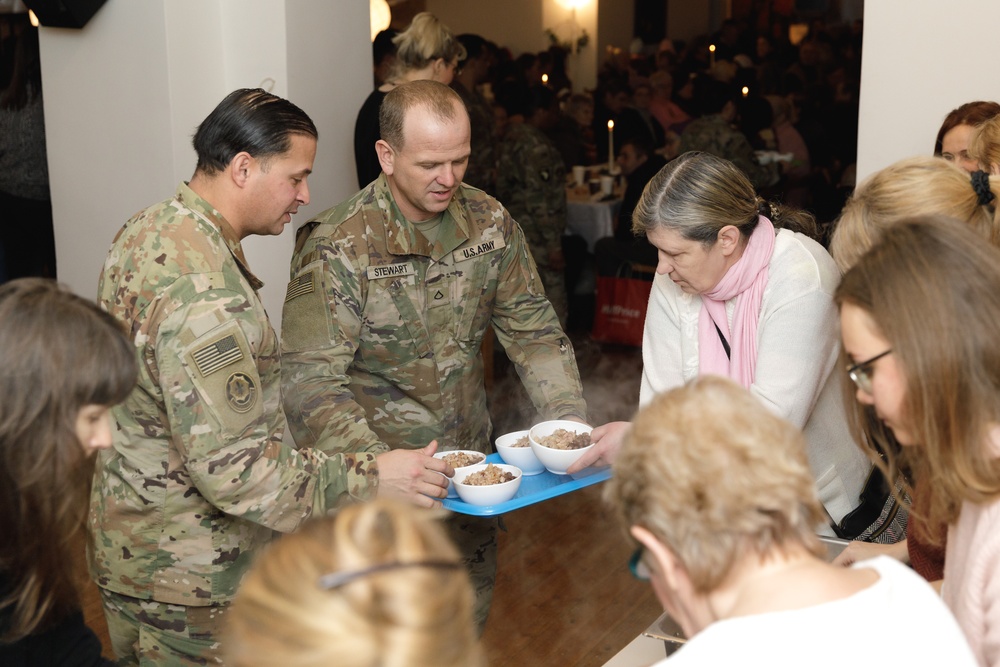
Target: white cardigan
point(797, 348)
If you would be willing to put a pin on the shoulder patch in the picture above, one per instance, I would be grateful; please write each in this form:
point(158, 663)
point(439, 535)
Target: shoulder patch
point(217, 355)
point(241, 392)
point(303, 284)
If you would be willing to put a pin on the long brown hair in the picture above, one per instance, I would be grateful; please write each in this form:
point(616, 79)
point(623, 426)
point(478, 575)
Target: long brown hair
point(932, 288)
point(698, 194)
point(58, 353)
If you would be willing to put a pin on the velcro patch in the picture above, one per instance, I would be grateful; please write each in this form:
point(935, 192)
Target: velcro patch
point(390, 271)
point(217, 354)
point(304, 284)
point(478, 249)
point(241, 392)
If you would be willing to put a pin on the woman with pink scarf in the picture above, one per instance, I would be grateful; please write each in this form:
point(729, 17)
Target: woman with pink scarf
point(744, 292)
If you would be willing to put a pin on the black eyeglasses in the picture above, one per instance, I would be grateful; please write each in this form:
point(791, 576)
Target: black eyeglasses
point(861, 372)
point(637, 566)
point(335, 580)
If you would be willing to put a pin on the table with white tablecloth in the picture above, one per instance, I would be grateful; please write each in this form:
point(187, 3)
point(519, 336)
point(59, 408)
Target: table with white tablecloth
point(592, 220)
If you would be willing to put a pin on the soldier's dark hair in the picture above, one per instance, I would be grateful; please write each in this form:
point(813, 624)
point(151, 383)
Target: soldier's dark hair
point(475, 46)
point(59, 353)
point(251, 120)
point(442, 101)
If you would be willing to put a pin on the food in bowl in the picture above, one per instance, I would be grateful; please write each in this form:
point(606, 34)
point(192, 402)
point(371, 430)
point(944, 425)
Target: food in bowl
point(507, 482)
point(519, 455)
point(462, 459)
point(564, 439)
point(491, 474)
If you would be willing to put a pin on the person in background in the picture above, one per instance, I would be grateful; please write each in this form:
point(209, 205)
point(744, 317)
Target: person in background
point(952, 141)
point(572, 133)
point(743, 291)
point(391, 294)
point(737, 563)
point(934, 384)
point(379, 584)
point(482, 171)
point(65, 363)
point(714, 133)
point(531, 183)
point(672, 118)
point(425, 50)
point(201, 473)
point(383, 55)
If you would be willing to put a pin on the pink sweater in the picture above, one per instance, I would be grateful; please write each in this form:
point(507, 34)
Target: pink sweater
point(972, 578)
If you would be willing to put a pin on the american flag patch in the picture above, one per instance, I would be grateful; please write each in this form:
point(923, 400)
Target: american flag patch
point(217, 355)
point(299, 286)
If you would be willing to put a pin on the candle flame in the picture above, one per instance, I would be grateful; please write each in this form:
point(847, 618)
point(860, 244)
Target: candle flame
point(545, 78)
point(611, 124)
point(711, 48)
point(32, 19)
point(746, 91)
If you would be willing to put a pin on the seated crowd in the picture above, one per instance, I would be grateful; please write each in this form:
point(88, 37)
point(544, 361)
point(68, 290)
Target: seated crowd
point(791, 396)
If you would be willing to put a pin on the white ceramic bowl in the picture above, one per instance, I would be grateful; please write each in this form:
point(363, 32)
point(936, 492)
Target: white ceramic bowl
point(522, 457)
point(556, 460)
point(490, 494)
point(440, 455)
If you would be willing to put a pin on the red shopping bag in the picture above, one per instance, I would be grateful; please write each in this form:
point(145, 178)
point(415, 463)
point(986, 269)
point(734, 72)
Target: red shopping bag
point(620, 308)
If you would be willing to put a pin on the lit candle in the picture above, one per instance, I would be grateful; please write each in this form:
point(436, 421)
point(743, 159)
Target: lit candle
point(746, 91)
point(611, 146)
point(545, 79)
point(711, 55)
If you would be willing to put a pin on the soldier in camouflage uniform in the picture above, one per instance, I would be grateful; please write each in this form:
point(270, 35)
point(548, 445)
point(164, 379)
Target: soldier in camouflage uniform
point(392, 292)
point(199, 476)
point(482, 171)
point(531, 182)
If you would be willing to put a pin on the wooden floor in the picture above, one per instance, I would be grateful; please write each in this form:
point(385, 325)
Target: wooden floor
point(564, 595)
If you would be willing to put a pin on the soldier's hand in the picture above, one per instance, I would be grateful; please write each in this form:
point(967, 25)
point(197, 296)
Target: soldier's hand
point(607, 441)
point(413, 476)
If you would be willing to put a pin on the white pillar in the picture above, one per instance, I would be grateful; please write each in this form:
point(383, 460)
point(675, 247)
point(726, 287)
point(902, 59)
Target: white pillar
point(124, 95)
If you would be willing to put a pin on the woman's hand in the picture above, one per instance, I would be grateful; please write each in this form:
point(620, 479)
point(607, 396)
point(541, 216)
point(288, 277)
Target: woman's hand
point(607, 441)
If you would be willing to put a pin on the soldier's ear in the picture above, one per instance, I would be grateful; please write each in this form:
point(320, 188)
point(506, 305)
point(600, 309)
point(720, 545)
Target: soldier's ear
point(386, 156)
point(239, 168)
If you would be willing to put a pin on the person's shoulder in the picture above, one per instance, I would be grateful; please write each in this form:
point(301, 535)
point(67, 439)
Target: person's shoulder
point(799, 259)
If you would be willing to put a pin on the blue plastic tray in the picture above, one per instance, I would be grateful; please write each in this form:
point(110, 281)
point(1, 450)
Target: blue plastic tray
point(533, 489)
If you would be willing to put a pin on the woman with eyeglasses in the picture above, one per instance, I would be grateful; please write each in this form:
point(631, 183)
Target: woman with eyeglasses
point(378, 584)
point(743, 291)
point(919, 317)
point(63, 363)
point(716, 492)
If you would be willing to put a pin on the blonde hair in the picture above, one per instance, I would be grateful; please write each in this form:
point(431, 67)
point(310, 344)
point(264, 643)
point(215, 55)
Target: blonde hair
point(405, 616)
point(713, 475)
point(984, 145)
point(930, 287)
point(698, 194)
point(426, 40)
point(915, 186)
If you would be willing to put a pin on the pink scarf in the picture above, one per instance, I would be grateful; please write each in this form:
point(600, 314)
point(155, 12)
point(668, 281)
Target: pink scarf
point(744, 280)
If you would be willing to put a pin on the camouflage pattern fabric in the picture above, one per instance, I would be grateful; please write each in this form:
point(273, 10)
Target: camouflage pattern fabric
point(199, 476)
point(531, 183)
point(482, 170)
point(382, 331)
point(476, 539)
point(712, 134)
point(156, 634)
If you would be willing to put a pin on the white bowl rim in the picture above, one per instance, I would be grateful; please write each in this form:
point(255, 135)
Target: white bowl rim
point(521, 434)
point(441, 455)
point(584, 428)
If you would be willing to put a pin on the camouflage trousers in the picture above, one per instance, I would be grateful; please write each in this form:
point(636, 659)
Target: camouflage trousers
point(476, 539)
point(149, 633)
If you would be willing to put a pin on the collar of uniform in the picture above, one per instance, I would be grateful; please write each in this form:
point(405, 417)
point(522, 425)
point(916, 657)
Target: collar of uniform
point(207, 212)
point(403, 238)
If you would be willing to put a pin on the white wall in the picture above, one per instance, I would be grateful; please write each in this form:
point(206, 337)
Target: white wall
point(124, 95)
point(920, 61)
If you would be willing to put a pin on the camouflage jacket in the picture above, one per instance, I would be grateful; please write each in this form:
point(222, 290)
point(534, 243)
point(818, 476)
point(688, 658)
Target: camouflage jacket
point(482, 171)
point(712, 134)
point(381, 331)
point(199, 476)
point(531, 182)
